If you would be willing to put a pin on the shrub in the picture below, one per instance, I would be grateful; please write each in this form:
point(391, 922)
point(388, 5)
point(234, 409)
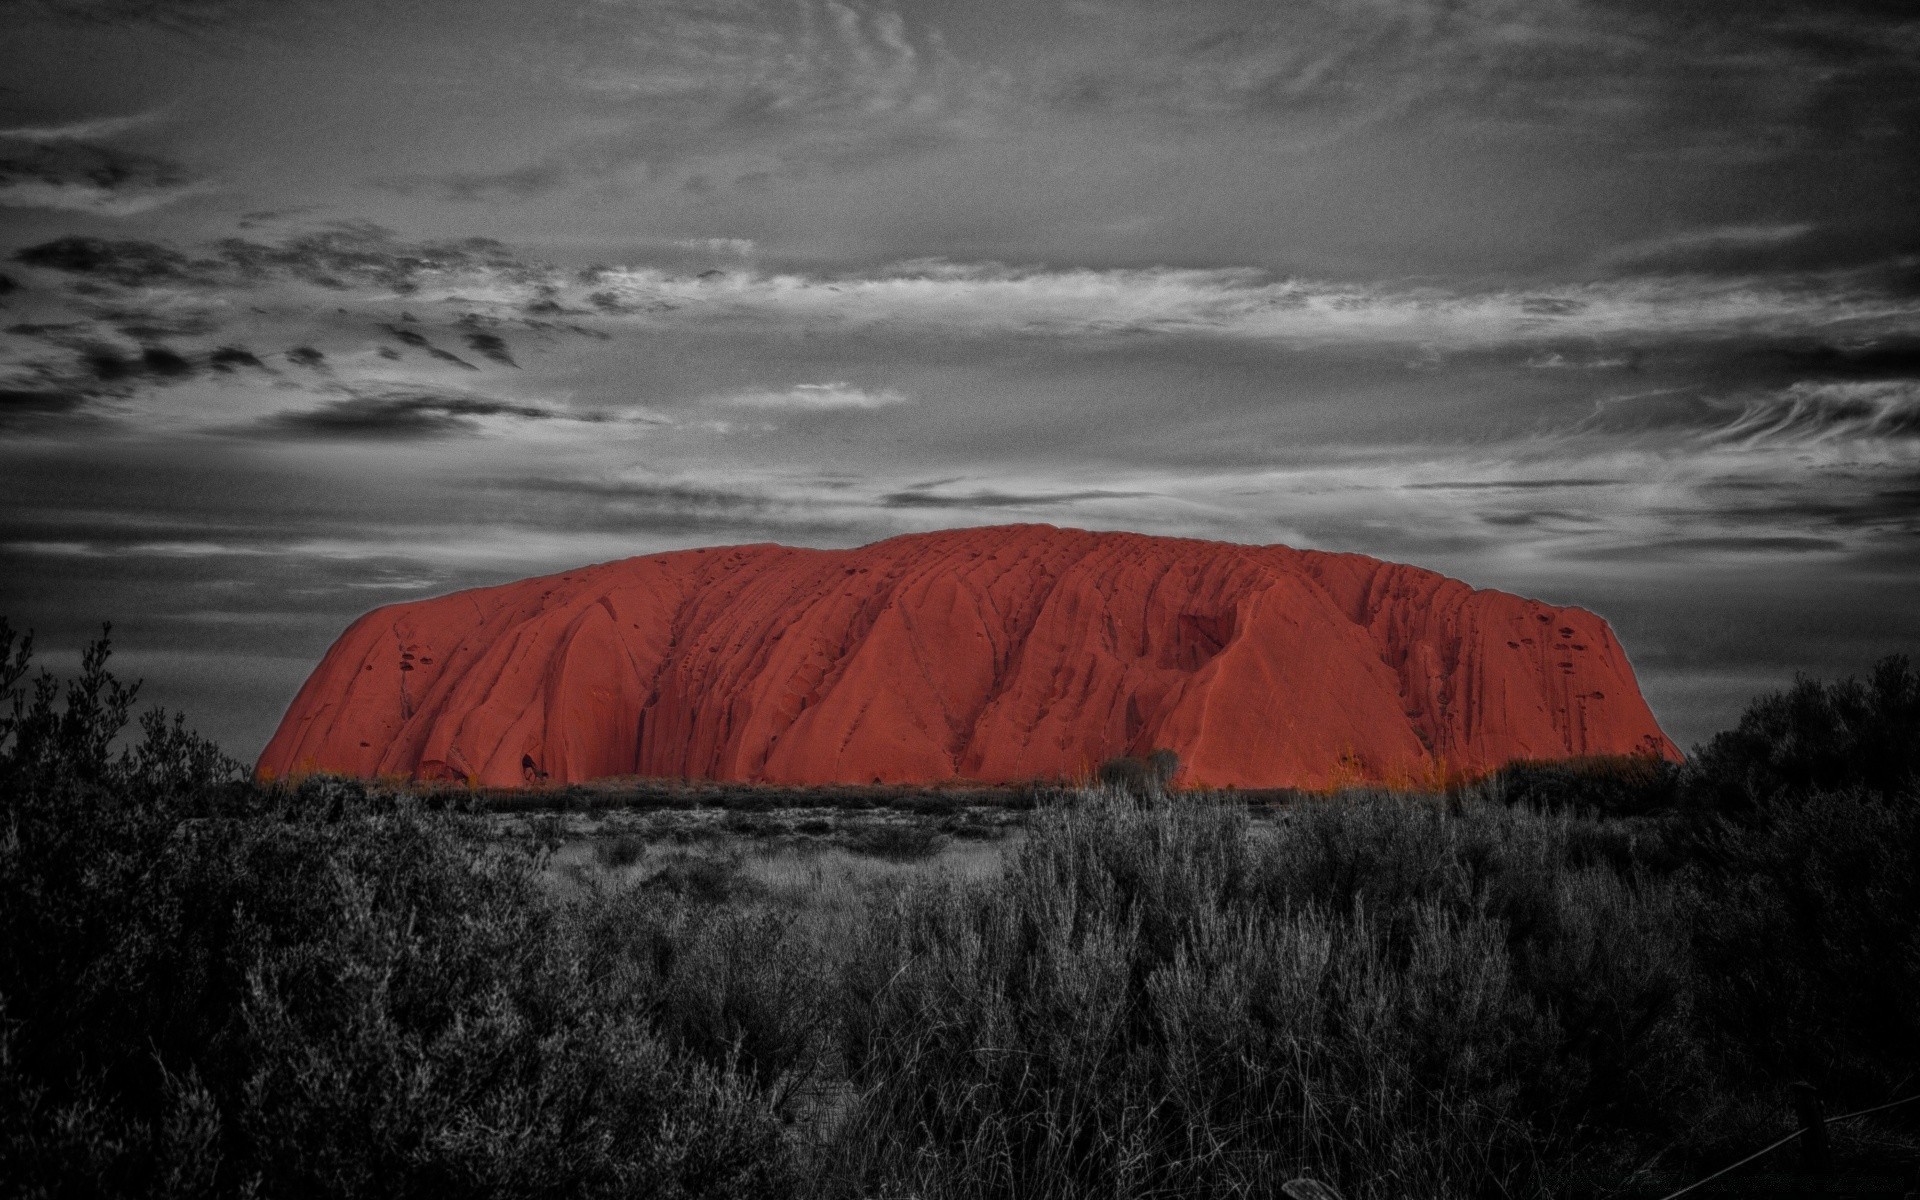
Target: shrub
point(905, 841)
point(1809, 950)
point(1150, 1004)
point(704, 878)
point(212, 988)
point(620, 850)
point(1826, 737)
point(1619, 786)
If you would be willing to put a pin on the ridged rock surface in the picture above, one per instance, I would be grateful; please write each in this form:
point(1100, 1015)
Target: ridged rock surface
point(996, 654)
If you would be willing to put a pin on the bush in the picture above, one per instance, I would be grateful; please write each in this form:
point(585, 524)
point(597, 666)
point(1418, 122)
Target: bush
point(620, 850)
point(1141, 777)
point(909, 841)
point(1621, 786)
point(213, 988)
point(1809, 950)
point(1817, 737)
point(1151, 1004)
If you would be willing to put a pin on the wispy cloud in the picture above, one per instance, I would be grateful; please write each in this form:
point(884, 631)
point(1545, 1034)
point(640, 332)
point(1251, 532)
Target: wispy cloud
point(1808, 415)
point(1698, 249)
point(987, 499)
point(407, 413)
point(88, 130)
point(984, 299)
point(1670, 76)
point(65, 167)
point(990, 299)
point(814, 397)
point(724, 92)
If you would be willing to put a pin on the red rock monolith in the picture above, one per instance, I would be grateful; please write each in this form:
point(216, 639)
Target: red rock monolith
point(996, 654)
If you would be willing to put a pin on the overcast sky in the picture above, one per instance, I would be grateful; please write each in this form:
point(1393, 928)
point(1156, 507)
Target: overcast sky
point(314, 305)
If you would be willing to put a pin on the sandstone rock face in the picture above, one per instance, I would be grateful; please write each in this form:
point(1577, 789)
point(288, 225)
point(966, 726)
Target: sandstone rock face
point(996, 654)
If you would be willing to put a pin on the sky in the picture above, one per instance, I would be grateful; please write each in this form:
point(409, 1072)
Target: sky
point(308, 306)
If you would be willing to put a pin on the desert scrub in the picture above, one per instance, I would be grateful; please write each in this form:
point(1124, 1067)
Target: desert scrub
point(1527, 988)
point(1152, 1002)
point(1807, 940)
point(212, 988)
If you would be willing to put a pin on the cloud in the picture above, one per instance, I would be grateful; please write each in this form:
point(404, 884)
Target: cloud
point(1894, 357)
point(177, 16)
point(352, 254)
point(1719, 248)
point(403, 413)
point(645, 491)
point(342, 256)
point(991, 499)
point(28, 185)
point(1812, 414)
point(738, 247)
point(419, 341)
point(127, 262)
point(61, 167)
point(27, 407)
point(1672, 549)
point(87, 130)
point(482, 276)
point(1513, 485)
point(493, 346)
point(1651, 76)
point(1807, 415)
point(815, 397)
point(990, 299)
point(749, 90)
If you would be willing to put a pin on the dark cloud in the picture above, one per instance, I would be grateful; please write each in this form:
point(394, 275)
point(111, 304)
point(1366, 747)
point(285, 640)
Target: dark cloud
point(231, 358)
point(191, 21)
point(492, 346)
point(420, 341)
point(26, 407)
point(1541, 517)
point(992, 499)
point(1893, 358)
point(150, 326)
point(163, 363)
point(308, 357)
point(270, 216)
point(532, 179)
point(347, 254)
point(73, 175)
point(362, 254)
point(112, 366)
point(1682, 548)
point(648, 493)
point(401, 414)
point(1838, 506)
point(127, 261)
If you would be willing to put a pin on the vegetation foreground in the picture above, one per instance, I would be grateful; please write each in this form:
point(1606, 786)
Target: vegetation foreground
point(1581, 979)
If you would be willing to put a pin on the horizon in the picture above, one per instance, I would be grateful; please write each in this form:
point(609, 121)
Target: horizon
point(316, 307)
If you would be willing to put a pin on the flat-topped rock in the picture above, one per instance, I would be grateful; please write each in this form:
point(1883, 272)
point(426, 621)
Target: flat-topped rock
point(995, 654)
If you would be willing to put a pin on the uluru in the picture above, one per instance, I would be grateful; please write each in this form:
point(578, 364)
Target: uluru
point(994, 654)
